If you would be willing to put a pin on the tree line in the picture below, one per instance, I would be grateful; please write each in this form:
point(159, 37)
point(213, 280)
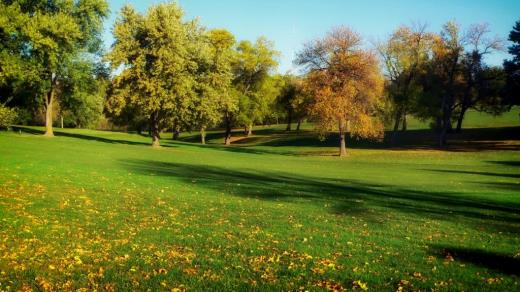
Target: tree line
point(168, 73)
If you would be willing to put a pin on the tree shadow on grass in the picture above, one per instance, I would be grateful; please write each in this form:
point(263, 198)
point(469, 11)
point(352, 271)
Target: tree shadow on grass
point(502, 186)
point(345, 196)
point(84, 137)
point(507, 163)
point(499, 262)
point(470, 140)
point(509, 175)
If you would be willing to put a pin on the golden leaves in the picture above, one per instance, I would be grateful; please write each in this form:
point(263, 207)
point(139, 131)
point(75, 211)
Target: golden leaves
point(360, 285)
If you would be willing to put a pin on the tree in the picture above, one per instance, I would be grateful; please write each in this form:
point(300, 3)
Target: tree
point(286, 97)
point(403, 56)
point(512, 68)
point(44, 37)
point(252, 66)
point(158, 54)
point(214, 82)
point(473, 67)
point(82, 94)
point(292, 100)
point(445, 77)
point(345, 83)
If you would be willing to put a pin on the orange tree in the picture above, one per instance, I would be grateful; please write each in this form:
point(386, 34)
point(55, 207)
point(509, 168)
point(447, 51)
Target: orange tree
point(345, 83)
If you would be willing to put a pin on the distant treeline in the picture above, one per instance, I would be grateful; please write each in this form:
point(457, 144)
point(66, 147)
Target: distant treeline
point(168, 73)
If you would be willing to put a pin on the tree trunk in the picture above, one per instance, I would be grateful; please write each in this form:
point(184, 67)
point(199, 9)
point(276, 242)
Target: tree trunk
point(61, 121)
point(289, 121)
point(203, 135)
point(397, 121)
point(460, 119)
point(176, 132)
point(438, 124)
point(342, 147)
point(154, 129)
point(405, 125)
point(446, 123)
point(298, 125)
point(249, 130)
point(48, 112)
point(227, 136)
point(396, 127)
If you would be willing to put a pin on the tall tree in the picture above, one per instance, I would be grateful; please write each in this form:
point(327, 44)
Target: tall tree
point(345, 83)
point(473, 66)
point(158, 54)
point(214, 82)
point(403, 56)
point(46, 35)
point(512, 67)
point(292, 100)
point(447, 72)
point(252, 66)
point(82, 94)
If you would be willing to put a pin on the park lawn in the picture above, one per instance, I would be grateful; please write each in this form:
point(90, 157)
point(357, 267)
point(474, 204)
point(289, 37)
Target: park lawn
point(103, 210)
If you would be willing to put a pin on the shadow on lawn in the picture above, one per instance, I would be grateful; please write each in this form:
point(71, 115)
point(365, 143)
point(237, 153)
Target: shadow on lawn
point(507, 163)
point(499, 262)
point(470, 140)
point(84, 137)
point(510, 175)
point(346, 196)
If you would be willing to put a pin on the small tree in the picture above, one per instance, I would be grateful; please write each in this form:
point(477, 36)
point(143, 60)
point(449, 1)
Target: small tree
point(292, 100)
point(345, 83)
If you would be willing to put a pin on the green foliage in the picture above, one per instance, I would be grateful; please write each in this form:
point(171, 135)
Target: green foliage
point(40, 39)
point(512, 67)
point(292, 100)
point(256, 88)
point(158, 53)
point(214, 92)
point(82, 94)
point(404, 55)
point(7, 116)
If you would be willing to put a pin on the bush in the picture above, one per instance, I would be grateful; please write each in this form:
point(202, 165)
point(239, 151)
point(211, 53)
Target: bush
point(7, 116)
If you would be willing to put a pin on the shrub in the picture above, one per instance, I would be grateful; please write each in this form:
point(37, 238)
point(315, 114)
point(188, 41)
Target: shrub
point(7, 116)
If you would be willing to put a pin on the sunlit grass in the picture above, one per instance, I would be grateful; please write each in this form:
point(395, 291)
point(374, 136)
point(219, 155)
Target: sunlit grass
point(102, 210)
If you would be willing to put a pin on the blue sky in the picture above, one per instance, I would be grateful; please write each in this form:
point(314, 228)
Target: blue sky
point(290, 23)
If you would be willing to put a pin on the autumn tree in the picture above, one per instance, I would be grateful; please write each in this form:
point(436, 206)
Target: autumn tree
point(42, 38)
point(158, 54)
point(403, 56)
point(345, 82)
point(444, 81)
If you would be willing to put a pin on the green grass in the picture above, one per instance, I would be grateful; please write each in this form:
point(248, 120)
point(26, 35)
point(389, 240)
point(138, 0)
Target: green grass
point(102, 210)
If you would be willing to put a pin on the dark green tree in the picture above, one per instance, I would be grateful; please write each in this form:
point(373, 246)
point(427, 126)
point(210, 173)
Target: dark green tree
point(512, 68)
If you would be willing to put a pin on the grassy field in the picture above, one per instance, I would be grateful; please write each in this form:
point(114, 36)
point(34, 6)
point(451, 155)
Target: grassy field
point(102, 210)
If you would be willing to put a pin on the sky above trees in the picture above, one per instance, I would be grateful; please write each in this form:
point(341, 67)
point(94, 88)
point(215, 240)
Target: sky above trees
point(290, 23)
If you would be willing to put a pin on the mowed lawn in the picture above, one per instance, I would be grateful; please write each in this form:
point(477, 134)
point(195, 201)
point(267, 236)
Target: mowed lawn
point(103, 210)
